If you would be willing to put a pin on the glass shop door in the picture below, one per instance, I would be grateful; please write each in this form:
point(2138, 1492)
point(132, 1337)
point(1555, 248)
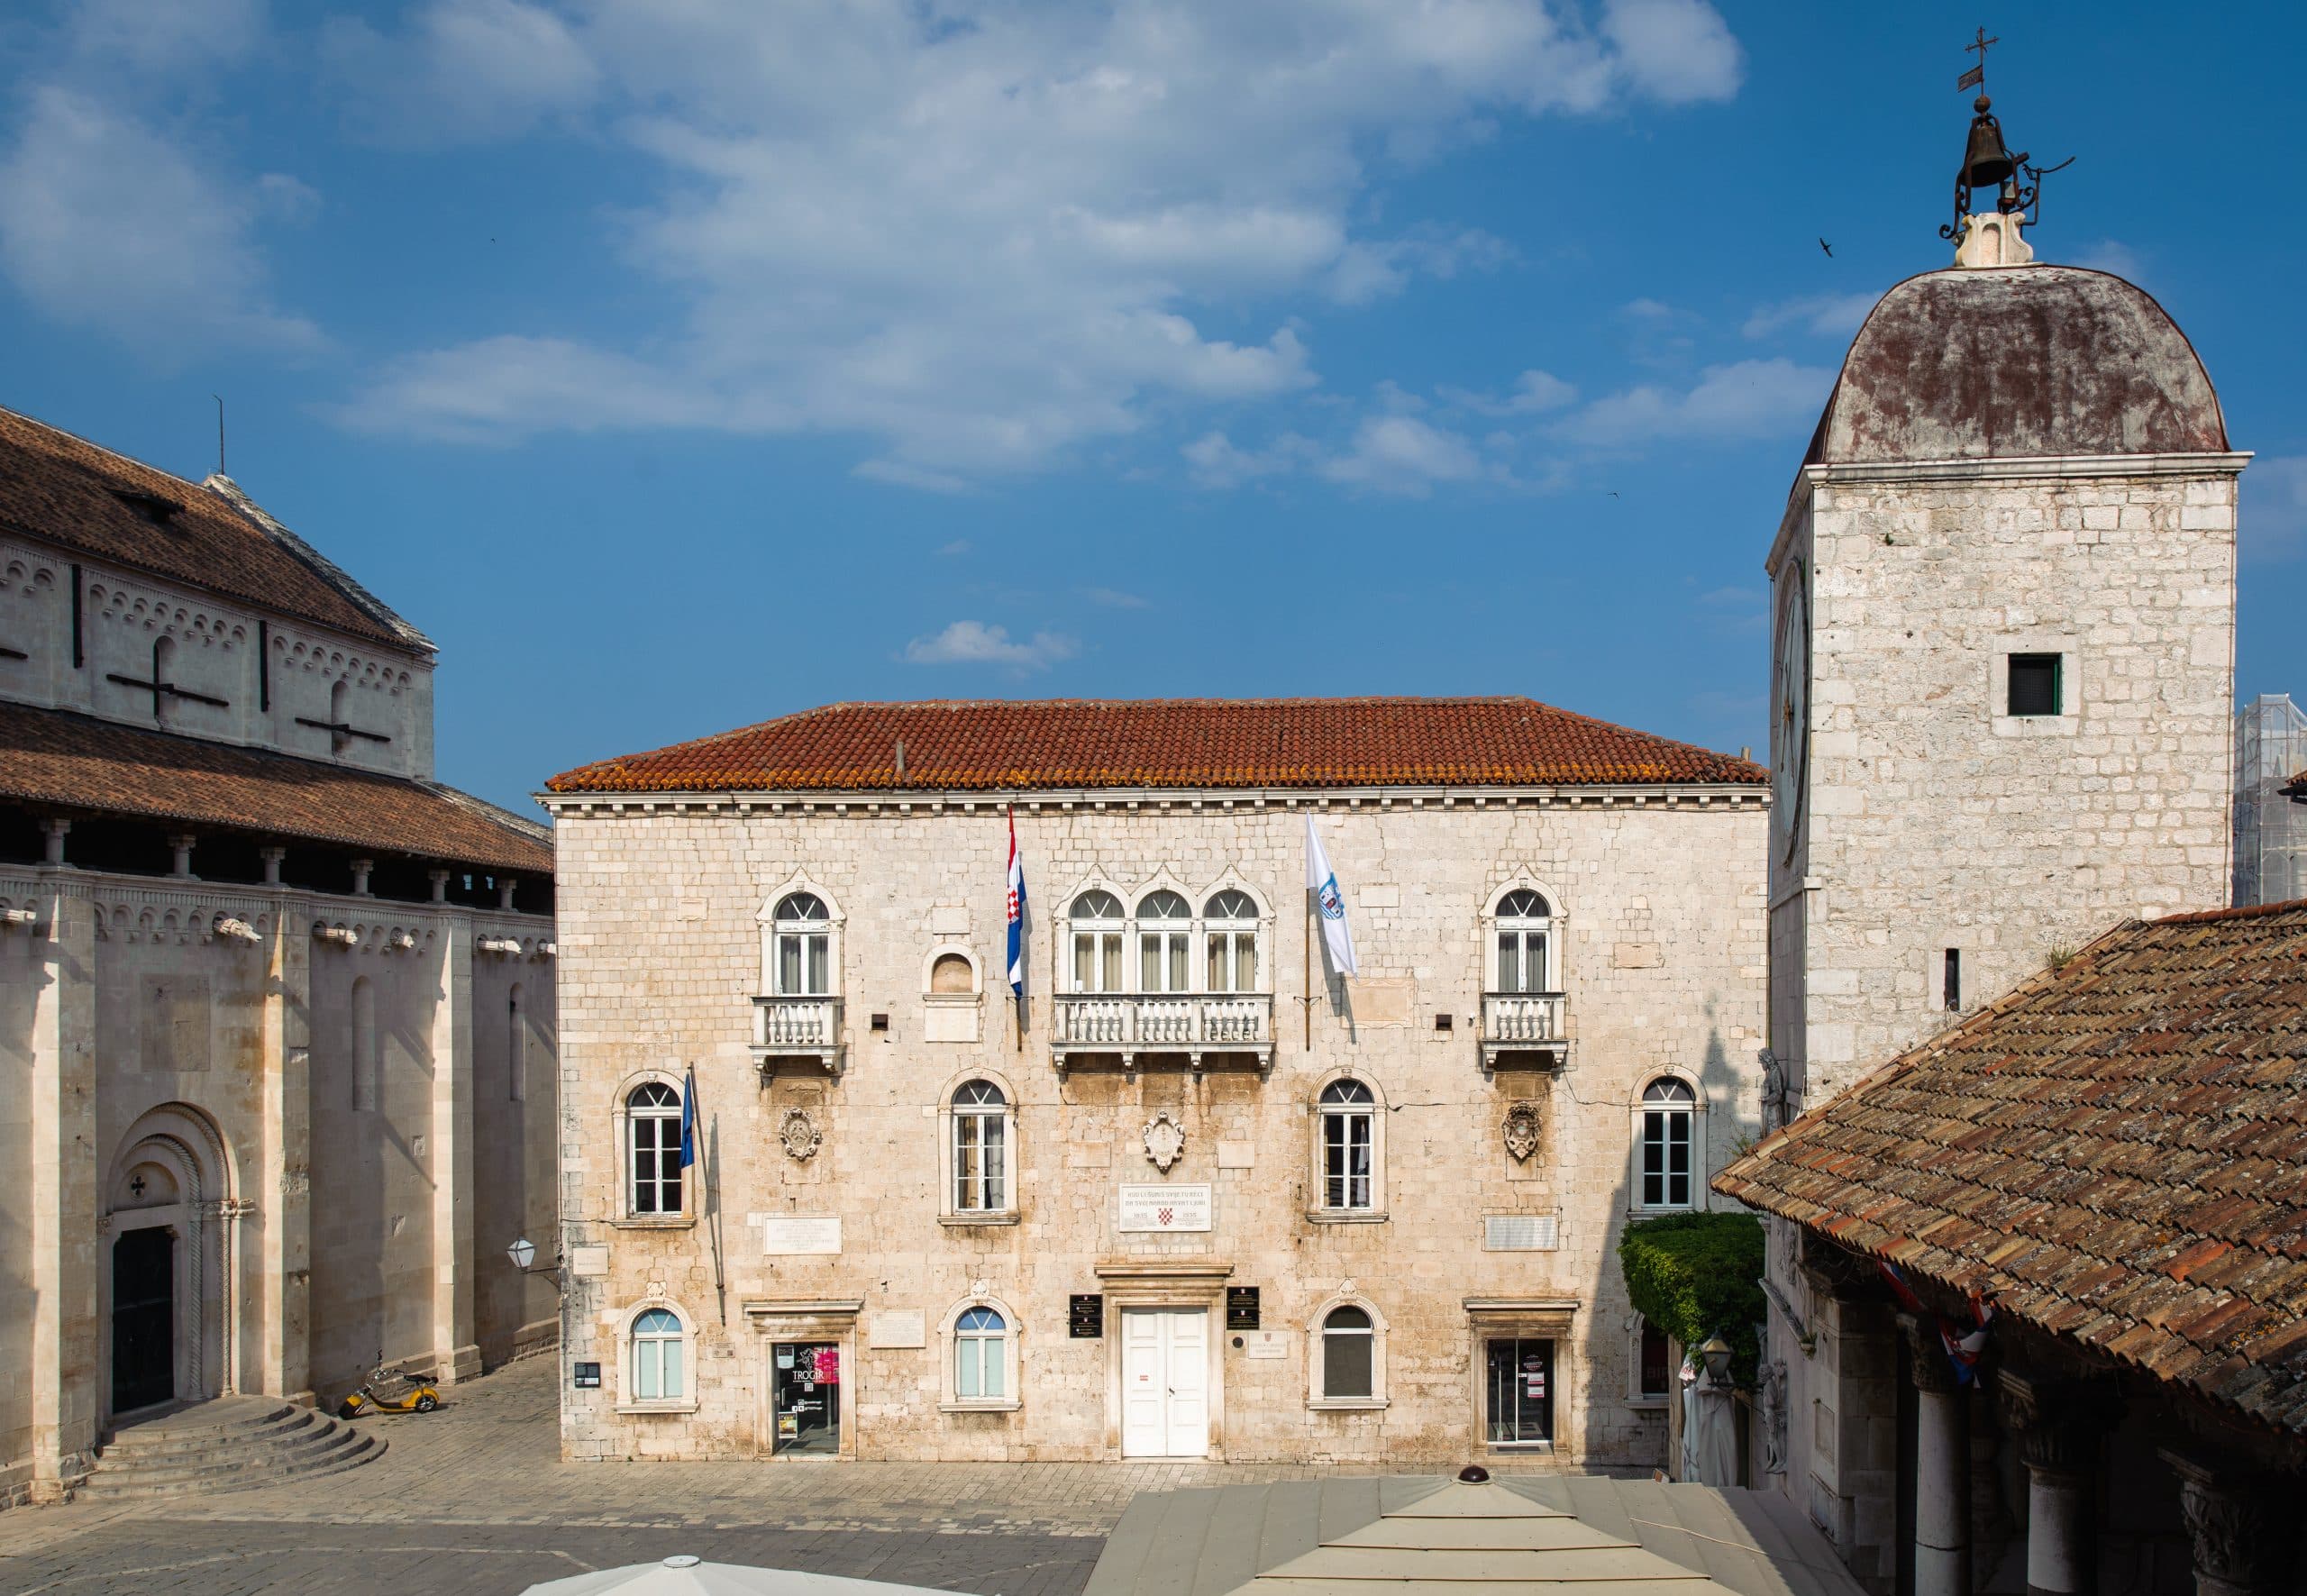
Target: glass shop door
point(1520, 1391)
point(805, 1378)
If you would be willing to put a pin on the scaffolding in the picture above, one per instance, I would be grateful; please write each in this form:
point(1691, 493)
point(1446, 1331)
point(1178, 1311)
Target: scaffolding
point(2270, 829)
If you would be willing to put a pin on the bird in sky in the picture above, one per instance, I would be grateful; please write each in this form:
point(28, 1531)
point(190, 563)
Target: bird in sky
point(1828, 248)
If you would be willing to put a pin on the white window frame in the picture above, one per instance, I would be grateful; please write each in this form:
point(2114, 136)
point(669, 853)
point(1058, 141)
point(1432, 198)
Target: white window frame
point(629, 1340)
point(1073, 927)
point(1173, 939)
point(1319, 1115)
point(1317, 1361)
point(1693, 1113)
point(950, 1337)
point(985, 1125)
point(806, 935)
point(772, 928)
point(1496, 923)
point(1253, 926)
point(628, 1216)
point(949, 1212)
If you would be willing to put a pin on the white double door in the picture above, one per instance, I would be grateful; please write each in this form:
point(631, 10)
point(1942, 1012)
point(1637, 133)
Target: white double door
point(1164, 1383)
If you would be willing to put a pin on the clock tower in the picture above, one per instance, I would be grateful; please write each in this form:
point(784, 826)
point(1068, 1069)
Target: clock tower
point(2002, 681)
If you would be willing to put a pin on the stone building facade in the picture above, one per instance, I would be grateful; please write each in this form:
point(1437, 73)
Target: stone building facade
point(1224, 1220)
point(2002, 675)
point(275, 1008)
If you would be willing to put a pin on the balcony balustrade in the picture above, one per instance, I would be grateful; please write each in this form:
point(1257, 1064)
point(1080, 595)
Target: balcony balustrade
point(1523, 1023)
point(800, 1028)
point(1193, 1023)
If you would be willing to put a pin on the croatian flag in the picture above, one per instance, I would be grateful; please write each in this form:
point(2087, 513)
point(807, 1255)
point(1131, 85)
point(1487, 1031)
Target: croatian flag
point(688, 1118)
point(1321, 880)
point(1017, 913)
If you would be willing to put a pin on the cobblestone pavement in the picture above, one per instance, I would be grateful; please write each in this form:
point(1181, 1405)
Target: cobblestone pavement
point(474, 1497)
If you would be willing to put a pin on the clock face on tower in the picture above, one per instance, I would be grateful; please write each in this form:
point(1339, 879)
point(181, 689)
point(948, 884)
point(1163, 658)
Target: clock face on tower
point(1790, 732)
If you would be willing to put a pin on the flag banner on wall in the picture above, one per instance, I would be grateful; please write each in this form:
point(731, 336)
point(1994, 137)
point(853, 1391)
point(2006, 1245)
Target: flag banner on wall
point(1322, 882)
point(688, 1118)
point(1017, 913)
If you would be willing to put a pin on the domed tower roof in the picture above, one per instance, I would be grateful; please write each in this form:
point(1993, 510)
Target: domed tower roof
point(2021, 361)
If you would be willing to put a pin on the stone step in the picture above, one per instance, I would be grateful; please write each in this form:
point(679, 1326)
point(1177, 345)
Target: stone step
point(245, 1443)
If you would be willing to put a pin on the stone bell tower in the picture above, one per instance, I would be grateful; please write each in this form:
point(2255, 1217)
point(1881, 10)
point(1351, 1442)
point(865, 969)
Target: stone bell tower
point(2002, 674)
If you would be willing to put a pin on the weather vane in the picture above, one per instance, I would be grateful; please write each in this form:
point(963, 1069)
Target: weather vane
point(1988, 162)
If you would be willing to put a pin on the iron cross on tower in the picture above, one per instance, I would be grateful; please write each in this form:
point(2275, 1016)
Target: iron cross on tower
point(1977, 77)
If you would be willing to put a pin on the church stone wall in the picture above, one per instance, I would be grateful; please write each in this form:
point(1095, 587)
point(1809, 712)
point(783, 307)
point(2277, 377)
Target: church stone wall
point(1661, 951)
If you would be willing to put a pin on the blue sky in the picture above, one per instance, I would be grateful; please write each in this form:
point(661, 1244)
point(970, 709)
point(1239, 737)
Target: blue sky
point(678, 363)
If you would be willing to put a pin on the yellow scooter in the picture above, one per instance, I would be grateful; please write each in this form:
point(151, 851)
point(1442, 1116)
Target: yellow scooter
point(421, 1397)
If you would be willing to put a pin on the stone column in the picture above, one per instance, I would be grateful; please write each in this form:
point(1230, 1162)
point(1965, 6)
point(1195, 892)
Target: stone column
point(2059, 1425)
point(1942, 1464)
point(69, 1244)
point(277, 1352)
point(2244, 1528)
point(457, 1355)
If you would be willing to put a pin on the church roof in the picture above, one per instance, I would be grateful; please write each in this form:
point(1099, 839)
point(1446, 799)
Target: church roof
point(73, 762)
point(1580, 1535)
point(2119, 1149)
point(965, 745)
point(64, 490)
point(2016, 362)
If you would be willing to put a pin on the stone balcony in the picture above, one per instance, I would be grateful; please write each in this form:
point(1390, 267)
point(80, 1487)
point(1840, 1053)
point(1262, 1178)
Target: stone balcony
point(1189, 1025)
point(1523, 1024)
point(800, 1030)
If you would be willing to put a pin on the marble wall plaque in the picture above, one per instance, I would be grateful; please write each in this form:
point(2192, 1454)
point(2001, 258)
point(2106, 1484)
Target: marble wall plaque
point(801, 1233)
point(1165, 1207)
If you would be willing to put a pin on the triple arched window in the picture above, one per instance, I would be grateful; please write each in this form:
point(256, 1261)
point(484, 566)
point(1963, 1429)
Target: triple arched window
point(1163, 929)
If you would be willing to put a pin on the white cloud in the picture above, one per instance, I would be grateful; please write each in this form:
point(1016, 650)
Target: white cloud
point(1113, 598)
point(463, 68)
point(1215, 462)
point(1533, 393)
point(959, 546)
point(1744, 399)
point(2110, 255)
point(1823, 315)
point(2271, 513)
point(1403, 454)
point(502, 389)
point(164, 37)
point(106, 224)
point(971, 643)
point(976, 235)
point(903, 474)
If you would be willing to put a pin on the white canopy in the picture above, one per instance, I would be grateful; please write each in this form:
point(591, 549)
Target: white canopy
point(683, 1575)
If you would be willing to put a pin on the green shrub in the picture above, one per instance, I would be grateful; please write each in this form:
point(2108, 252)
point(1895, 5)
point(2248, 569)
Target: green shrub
point(1695, 1274)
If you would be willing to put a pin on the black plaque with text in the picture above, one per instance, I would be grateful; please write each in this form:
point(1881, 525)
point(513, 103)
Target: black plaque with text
point(1085, 1317)
point(1241, 1307)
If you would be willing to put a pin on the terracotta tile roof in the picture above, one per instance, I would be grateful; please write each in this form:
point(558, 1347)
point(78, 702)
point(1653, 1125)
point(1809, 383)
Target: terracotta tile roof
point(2120, 1148)
point(70, 492)
point(976, 746)
point(74, 762)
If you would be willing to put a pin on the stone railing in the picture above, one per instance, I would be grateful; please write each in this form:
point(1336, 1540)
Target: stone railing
point(1192, 1024)
point(797, 1027)
point(1523, 1022)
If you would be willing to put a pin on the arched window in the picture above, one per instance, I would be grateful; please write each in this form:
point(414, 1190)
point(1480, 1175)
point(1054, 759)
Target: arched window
point(652, 1118)
point(803, 943)
point(1525, 944)
point(1230, 933)
point(1165, 934)
point(657, 1344)
point(1347, 1366)
point(1668, 1108)
point(981, 1149)
point(1349, 1146)
point(1096, 942)
point(980, 1357)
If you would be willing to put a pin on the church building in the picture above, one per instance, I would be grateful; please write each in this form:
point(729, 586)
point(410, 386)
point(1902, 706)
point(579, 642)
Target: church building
point(275, 1007)
point(829, 1189)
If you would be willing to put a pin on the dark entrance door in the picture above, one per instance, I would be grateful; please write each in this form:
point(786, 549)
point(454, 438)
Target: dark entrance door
point(143, 1319)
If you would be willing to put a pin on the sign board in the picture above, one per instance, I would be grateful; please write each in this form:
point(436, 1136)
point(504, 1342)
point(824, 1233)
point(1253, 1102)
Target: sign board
point(589, 1263)
point(801, 1233)
point(1241, 1307)
point(1164, 1207)
point(586, 1376)
point(1085, 1316)
point(898, 1326)
point(1520, 1232)
point(1265, 1345)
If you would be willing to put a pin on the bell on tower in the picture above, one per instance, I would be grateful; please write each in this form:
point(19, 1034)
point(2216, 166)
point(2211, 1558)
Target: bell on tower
point(1992, 238)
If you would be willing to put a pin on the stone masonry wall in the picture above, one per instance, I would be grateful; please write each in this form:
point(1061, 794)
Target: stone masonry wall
point(660, 940)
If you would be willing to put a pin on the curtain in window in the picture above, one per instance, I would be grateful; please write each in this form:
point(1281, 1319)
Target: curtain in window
point(1346, 1349)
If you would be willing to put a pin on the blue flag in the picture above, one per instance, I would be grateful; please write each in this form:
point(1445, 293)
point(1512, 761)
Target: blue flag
point(689, 1120)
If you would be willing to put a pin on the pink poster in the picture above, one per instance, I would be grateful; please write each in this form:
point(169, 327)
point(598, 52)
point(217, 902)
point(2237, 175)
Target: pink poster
point(829, 1365)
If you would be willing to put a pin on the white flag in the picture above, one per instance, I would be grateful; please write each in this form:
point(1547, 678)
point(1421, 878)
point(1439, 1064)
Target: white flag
point(1322, 882)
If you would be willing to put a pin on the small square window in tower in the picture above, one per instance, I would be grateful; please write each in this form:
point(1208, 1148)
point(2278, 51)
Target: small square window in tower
point(2034, 684)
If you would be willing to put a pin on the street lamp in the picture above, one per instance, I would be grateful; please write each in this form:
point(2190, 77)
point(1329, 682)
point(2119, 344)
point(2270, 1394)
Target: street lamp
point(1716, 1351)
point(524, 1253)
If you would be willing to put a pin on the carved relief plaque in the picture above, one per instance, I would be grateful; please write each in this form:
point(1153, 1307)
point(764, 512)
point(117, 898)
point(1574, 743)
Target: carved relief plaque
point(1521, 1128)
point(800, 1134)
point(1166, 1141)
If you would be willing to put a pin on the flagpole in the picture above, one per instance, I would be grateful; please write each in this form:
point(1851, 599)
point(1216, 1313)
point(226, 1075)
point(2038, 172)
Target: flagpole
point(1306, 1003)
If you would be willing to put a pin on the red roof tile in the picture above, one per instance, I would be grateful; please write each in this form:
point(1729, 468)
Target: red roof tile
point(68, 491)
point(2116, 1148)
point(73, 762)
point(979, 745)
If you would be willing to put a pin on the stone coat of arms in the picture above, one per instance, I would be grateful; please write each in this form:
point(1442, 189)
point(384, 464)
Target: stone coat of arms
point(1166, 1141)
point(800, 1134)
point(1521, 1129)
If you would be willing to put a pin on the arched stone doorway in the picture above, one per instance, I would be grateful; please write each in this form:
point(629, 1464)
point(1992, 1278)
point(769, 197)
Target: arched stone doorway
point(168, 1308)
